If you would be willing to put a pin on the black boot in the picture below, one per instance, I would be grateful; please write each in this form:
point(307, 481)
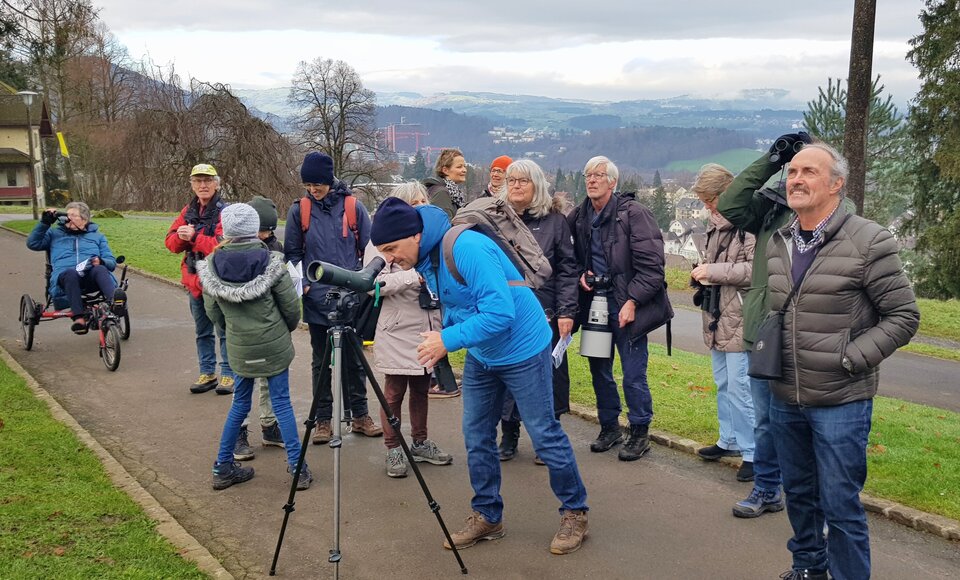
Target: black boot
point(637, 444)
point(509, 440)
point(609, 436)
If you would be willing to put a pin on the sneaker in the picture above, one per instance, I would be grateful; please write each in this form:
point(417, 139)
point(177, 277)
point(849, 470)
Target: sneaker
point(715, 452)
point(428, 451)
point(227, 474)
point(226, 385)
point(204, 383)
point(609, 436)
point(806, 574)
point(396, 463)
point(758, 502)
point(537, 460)
point(745, 473)
point(436, 392)
point(242, 450)
point(80, 325)
point(367, 426)
point(306, 478)
point(477, 528)
point(509, 439)
point(636, 445)
point(323, 433)
point(119, 305)
point(573, 529)
point(271, 435)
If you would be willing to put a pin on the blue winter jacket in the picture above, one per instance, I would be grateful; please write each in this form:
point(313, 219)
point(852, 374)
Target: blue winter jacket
point(498, 324)
point(68, 248)
point(324, 242)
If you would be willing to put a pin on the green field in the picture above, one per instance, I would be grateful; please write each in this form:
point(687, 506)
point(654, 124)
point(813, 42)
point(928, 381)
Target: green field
point(736, 160)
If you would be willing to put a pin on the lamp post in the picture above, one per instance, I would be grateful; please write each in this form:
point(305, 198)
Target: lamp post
point(27, 97)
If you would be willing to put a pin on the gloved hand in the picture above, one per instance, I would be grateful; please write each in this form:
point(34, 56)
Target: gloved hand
point(49, 217)
point(788, 145)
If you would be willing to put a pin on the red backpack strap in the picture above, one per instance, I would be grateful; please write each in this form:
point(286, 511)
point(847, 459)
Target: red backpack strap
point(305, 203)
point(350, 221)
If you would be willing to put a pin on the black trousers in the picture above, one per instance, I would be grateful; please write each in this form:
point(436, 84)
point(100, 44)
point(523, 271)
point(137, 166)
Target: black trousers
point(354, 379)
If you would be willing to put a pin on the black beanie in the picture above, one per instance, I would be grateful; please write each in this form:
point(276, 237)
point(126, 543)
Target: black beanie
point(395, 220)
point(267, 210)
point(317, 168)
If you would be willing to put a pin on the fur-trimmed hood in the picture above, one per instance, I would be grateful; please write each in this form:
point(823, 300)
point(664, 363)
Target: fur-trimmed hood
point(236, 292)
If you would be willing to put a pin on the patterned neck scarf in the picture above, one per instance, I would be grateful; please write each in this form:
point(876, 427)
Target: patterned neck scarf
point(456, 194)
point(817, 239)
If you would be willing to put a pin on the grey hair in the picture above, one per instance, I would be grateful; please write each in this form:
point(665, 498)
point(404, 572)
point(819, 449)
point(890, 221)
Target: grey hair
point(613, 174)
point(409, 190)
point(839, 168)
point(542, 202)
point(712, 180)
point(81, 207)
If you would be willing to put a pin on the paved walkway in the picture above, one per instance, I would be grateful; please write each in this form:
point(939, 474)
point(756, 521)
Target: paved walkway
point(665, 516)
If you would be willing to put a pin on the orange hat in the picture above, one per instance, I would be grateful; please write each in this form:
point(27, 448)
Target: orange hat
point(501, 162)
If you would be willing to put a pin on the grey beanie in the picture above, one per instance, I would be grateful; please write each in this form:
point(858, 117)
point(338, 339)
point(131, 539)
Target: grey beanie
point(239, 220)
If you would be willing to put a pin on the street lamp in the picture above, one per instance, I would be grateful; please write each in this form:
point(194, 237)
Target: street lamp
point(27, 97)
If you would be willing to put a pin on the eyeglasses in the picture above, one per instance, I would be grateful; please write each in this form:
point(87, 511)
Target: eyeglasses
point(521, 181)
point(206, 179)
point(497, 170)
point(314, 185)
point(595, 175)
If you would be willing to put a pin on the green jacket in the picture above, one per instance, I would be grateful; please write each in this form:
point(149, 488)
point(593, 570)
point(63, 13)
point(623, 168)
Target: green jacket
point(247, 288)
point(756, 214)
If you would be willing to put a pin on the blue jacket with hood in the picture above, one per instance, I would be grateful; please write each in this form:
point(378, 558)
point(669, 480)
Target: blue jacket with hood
point(67, 249)
point(497, 323)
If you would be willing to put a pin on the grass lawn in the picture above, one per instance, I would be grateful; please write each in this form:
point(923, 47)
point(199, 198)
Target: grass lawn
point(60, 515)
point(736, 160)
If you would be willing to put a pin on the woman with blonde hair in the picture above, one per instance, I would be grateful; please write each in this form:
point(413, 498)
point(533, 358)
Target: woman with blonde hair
point(445, 188)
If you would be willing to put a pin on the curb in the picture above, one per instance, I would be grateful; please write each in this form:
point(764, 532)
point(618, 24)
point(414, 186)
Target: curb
point(919, 520)
point(187, 546)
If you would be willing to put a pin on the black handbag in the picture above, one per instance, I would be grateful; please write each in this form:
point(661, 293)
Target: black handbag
point(766, 358)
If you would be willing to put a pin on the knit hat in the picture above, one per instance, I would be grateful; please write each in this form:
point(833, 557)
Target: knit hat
point(317, 168)
point(395, 220)
point(239, 220)
point(501, 162)
point(267, 210)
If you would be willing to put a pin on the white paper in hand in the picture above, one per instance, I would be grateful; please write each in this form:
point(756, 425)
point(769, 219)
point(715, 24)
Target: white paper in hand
point(296, 275)
point(561, 348)
point(82, 266)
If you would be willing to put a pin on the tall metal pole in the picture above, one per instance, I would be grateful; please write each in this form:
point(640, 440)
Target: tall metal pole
point(27, 97)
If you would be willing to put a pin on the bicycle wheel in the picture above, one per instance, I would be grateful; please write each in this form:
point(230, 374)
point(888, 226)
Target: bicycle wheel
point(110, 345)
point(28, 320)
point(125, 325)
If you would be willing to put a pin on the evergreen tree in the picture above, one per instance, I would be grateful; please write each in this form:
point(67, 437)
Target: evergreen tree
point(660, 206)
point(559, 181)
point(418, 169)
point(935, 132)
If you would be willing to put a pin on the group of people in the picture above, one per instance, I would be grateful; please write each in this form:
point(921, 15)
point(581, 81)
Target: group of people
point(796, 249)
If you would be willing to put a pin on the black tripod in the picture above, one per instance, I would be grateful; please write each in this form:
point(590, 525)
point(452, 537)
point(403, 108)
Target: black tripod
point(341, 336)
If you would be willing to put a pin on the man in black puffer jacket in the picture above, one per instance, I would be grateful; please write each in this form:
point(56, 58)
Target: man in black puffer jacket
point(617, 237)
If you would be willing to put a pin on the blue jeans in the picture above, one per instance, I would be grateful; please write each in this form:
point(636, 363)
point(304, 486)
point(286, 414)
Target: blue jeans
point(279, 385)
point(734, 402)
point(636, 392)
point(206, 341)
point(530, 383)
point(823, 458)
point(766, 468)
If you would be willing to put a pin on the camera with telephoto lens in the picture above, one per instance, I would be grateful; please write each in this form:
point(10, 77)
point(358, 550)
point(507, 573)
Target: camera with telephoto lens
point(596, 336)
point(599, 283)
point(707, 297)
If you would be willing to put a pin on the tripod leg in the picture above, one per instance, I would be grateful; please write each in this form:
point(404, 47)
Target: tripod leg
point(353, 342)
point(336, 338)
point(311, 421)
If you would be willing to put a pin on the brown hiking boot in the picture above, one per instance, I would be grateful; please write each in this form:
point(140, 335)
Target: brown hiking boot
point(477, 528)
point(323, 433)
point(573, 529)
point(366, 426)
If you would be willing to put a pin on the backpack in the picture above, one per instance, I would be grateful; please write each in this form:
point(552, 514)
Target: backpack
point(349, 220)
point(494, 218)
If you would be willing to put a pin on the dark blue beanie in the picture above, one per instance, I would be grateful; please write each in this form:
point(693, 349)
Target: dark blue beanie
point(317, 168)
point(395, 220)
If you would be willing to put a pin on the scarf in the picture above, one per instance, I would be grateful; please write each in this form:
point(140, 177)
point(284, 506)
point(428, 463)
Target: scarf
point(456, 194)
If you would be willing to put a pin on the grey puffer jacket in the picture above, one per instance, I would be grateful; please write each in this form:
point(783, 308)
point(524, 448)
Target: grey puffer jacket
point(729, 259)
point(853, 309)
point(247, 288)
point(401, 320)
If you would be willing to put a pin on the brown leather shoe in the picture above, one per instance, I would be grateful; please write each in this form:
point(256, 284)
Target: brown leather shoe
point(573, 529)
point(323, 433)
point(477, 528)
point(367, 426)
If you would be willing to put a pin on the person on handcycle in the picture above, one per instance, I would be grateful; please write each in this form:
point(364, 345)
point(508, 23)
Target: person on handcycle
point(80, 259)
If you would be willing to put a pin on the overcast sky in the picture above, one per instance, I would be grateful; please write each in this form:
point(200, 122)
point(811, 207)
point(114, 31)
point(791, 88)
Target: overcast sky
point(614, 50)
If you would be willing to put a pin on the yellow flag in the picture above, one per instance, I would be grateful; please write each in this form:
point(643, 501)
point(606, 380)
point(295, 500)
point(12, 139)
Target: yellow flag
point(63, 145)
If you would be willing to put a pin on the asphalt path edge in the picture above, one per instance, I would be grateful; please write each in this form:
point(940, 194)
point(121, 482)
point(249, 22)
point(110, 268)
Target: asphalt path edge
point(187, 546)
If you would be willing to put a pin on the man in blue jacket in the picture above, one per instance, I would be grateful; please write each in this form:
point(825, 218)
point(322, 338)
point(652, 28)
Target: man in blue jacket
point(507, 339)
point(329, 239)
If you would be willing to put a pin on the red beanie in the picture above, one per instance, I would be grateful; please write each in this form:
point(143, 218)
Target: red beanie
point(501, 162)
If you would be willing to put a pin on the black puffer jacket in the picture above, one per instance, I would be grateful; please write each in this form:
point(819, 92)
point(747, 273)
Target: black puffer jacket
point(559, 295)
point(633, 247)
point(854, 303)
